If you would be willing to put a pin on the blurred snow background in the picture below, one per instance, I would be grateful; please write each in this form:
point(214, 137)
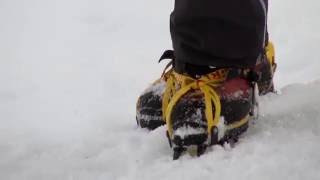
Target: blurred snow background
point(70, 73)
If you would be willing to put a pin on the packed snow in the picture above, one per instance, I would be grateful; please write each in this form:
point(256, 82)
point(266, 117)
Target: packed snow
point(71, 71)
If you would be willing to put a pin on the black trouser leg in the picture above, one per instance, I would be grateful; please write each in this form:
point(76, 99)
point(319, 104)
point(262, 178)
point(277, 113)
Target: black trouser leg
point(228, 33)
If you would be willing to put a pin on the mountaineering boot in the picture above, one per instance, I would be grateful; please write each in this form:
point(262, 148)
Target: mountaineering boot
point(203, 106)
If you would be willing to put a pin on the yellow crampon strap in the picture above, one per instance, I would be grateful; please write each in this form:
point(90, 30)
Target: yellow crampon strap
point(205, 84)
point(270, 53)
point(238, 123)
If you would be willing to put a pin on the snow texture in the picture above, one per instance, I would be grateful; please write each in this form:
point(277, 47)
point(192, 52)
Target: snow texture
point(71, 71)
point(222, 128)
point(187, 130)
point(157, 89)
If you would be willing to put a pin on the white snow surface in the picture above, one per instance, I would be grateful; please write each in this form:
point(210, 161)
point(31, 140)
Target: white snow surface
point(157, 88)
point(71, 71)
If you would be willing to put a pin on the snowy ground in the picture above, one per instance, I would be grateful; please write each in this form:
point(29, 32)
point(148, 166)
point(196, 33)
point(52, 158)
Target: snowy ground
point(71, 71)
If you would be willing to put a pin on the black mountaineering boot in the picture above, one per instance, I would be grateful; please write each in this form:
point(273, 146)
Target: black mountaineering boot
point(203, 106)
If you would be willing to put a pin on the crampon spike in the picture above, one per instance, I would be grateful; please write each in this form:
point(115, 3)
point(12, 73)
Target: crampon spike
point(177, 151)
point(168, 136)
point(137, 121)
point(201, 149)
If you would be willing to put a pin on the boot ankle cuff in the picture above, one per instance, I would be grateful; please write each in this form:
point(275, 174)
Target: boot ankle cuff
point(191, 69)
